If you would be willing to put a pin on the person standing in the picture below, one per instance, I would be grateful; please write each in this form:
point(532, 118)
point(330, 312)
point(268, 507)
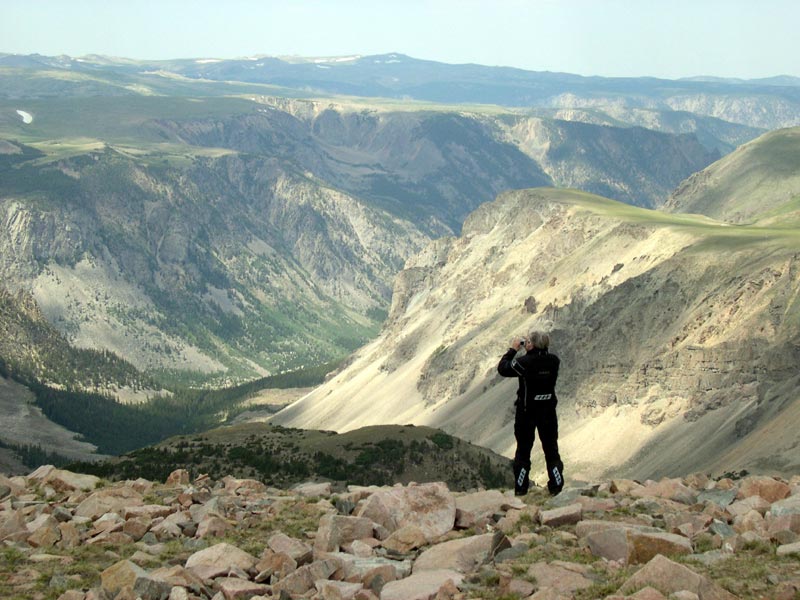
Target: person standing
point(537, 371)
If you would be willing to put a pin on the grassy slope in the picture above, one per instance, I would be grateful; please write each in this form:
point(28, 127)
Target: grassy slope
point(114, 120)
point(382, 454)
point(714, 232)
point(760, 182)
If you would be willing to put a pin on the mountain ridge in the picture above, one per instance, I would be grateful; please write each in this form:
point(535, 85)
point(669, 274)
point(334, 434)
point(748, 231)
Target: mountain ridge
point(400, 76)
point(646, 325)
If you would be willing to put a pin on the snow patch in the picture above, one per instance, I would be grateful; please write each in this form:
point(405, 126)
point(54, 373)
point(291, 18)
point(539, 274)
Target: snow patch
point(339, 59)
point(27, 117)
point(323, 66)
point(203, 61)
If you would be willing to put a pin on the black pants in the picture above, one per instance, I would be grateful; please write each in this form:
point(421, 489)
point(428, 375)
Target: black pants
point(540, 415)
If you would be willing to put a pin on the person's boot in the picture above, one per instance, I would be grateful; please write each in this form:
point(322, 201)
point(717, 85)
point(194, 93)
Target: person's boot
point(555, 481)
point(521, 480)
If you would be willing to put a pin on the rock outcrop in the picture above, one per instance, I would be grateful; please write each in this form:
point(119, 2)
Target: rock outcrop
point(615, 539)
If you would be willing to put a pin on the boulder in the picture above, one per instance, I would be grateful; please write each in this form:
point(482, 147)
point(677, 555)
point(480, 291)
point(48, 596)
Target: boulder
point(754, 502)
point(296, 549)
point(463, 555)
point(44, 532)
point(179, 593)
point(233, 588)
point(148, 511)
point(356, 568)
point(219, 560)
point(337, 590)
point(103, 501)
point(303, 579)
point(787, 506)
point(687, 523)
point(563, 578)
point(430, 506)
point(125, 575)
point(631, 545)
point(137, 528)
point(624, 486)
point(471, 507)
point(646, 545)
point(62, 480)
point(70, 537)
point(9, 487)
point(610, 543)
point(420, 586)
point(650, 593)
point(313, 490)
point(567, 515)
point(359, 548)
point(243, 487)
point(783, 523)
point(212, 526)
point(788, 549)
point(671, 489)
point(718, 497)
point(121, 575)
point(405, 539)
point(337, 530)
point(590, 526)
point(597, 505)
point(272, 563)
point(768, 488)
point(751, 521)
point(178, 477)
point(669, 577)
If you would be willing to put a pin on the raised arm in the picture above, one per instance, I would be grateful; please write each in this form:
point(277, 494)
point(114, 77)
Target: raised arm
point(508, 366)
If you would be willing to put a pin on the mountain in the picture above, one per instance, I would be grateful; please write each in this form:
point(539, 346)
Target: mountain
point(166, 224)
point(679, 337)
point(226, 239)
point(601, 159)
point(713, 133)
point(766, 104)
point(759, 183)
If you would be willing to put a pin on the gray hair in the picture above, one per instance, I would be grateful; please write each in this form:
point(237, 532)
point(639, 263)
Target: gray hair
point(539, 340)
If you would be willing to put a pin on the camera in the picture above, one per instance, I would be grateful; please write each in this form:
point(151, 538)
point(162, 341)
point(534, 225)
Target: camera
point(522, 341)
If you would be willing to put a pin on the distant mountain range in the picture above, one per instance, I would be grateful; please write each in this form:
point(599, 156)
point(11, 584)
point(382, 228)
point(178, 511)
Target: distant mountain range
point(765, 103)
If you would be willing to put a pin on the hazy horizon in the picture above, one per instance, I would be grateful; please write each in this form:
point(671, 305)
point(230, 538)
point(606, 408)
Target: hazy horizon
point(613, 38)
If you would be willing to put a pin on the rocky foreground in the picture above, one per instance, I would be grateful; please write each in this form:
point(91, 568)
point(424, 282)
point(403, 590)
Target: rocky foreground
point(76, 537)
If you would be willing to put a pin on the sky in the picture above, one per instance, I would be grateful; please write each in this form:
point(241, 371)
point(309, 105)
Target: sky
point(611, 38)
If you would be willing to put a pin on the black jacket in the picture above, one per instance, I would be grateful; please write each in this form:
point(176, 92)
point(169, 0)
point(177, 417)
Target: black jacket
point(537, 371)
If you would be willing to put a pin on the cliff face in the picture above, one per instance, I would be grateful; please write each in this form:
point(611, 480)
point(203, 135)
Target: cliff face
point(670, 328)
point(602, 160)
point(163, 265)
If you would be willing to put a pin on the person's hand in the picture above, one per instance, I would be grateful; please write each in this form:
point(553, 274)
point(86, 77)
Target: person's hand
point(516, 343)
